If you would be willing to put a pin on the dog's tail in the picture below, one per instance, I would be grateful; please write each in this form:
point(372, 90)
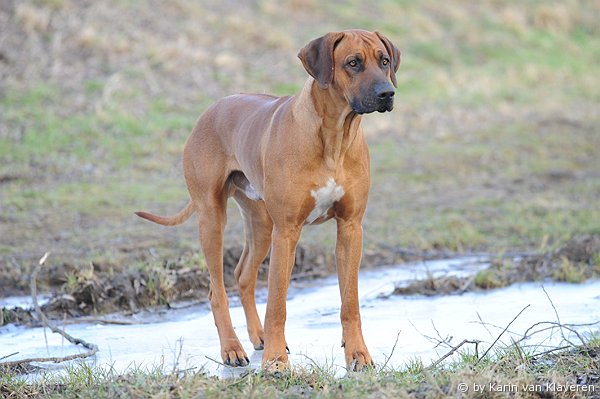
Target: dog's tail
point(181, 217)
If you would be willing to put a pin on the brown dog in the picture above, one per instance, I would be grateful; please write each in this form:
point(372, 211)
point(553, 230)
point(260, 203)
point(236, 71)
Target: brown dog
point(289, 162)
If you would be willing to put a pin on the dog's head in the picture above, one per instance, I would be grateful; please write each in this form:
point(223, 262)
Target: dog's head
point(361, 65)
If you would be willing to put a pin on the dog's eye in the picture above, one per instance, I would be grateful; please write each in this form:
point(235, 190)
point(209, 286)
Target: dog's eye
point(352, 63)
point(385, 62)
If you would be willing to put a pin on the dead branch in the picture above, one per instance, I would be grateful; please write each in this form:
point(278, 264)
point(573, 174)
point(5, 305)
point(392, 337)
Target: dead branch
point(442, 341)
point(560, 325)
point(549, 351)
point(177, 357)
point(91, 348)
point(7, 356)
point(503, 331)
point(392, 352)
point(454, 349)
point(484, 325)
point(218, 362)
point(552, 325)
point(437, 341)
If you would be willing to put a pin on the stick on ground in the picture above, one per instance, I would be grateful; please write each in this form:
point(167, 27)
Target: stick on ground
point(503, 331)
point(454, 349)
point(91, 348)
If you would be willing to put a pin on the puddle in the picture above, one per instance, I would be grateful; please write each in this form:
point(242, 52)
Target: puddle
point(22, 301)
point(188, 338)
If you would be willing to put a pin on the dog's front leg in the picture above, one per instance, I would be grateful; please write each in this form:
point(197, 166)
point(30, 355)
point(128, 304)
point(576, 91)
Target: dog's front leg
point(283, 253)
point(348, 256)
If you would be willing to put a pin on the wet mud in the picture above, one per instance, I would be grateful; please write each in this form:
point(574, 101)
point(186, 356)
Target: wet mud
point(574, 262)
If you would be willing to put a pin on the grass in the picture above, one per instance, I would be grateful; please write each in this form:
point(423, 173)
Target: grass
point(513, 371)
point(493, 101)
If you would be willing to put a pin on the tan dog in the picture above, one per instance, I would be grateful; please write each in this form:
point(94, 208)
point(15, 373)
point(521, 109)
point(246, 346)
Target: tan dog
point(288, 162)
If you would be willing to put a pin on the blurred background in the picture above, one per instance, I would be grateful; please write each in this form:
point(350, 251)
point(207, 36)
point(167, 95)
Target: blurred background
point(493, 145)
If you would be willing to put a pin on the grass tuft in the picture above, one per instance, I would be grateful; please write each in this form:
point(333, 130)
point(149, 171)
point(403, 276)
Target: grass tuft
point(513, 367)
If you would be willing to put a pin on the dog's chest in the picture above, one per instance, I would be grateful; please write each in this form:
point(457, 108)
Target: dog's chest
point(325, 197)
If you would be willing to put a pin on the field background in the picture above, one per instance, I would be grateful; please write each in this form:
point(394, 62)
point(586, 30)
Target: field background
point(493, 145)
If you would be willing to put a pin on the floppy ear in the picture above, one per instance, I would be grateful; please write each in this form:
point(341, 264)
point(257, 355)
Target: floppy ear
point(317, 58)
point(394, 54)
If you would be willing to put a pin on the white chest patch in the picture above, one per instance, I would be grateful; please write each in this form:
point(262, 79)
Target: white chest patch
point(324, 199)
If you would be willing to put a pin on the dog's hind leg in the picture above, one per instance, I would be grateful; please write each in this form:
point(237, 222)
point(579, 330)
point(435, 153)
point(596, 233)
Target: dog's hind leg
point(212, 217)
point(257, 227)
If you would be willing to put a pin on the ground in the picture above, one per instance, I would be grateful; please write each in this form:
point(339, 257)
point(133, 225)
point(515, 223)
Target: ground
point(492, 146)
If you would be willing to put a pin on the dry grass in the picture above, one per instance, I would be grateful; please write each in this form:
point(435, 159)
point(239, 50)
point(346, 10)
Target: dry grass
point(491, 145)
point(510, 372)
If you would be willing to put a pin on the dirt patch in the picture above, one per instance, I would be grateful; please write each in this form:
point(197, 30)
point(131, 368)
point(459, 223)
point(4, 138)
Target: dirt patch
point(574, 262)
point(80, 292)
point(432, 286)
point(94, 291)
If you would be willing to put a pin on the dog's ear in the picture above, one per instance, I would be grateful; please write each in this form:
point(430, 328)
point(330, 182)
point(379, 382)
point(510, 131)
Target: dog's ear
point(317, 58)
point(394, 54)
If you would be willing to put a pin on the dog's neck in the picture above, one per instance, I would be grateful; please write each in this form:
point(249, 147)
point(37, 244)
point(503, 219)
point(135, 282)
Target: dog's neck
point(339, 124)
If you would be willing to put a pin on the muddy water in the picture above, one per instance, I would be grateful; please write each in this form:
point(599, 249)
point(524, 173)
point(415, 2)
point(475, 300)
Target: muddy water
point(187, 337)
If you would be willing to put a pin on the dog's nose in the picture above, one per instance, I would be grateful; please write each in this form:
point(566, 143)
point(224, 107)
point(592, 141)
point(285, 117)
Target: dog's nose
point(384, 91)
point(384, 95)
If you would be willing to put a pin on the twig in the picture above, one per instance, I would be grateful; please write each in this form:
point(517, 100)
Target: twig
point(218, 362)
point(177, 356)
point(503, 331)
point(92, 348)
point(7, 356)
point(392, 352)
point(554, 325)
point(569, 325)
point(555, 312)
point(446, 341)
point(551, 351)
point(560, 325)
point(83, 320)
point(454, 349)
point(437, 341)
point(484, 325)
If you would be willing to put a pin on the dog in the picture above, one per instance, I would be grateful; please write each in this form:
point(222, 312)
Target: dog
point(289, 162)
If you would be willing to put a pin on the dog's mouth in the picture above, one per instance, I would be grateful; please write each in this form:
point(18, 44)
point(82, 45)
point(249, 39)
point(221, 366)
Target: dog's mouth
point(367, 107)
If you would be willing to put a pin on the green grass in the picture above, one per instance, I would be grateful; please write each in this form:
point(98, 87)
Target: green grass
point(494, 101)
point(513, 366)
point(498, 187)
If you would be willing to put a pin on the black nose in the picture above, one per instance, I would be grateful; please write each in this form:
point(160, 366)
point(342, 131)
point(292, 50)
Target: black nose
point(384, 95)
point(384, 91)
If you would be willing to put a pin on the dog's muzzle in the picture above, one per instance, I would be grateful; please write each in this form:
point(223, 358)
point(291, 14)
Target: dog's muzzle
point(380, 98)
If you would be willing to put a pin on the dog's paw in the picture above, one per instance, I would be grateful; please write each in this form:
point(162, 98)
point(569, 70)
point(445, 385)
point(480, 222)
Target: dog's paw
point(276, 366)
point(357, 357)
point(259, 343)
point(235, 356)
point(360, 361)
point(275, 362)
point(257, 339)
